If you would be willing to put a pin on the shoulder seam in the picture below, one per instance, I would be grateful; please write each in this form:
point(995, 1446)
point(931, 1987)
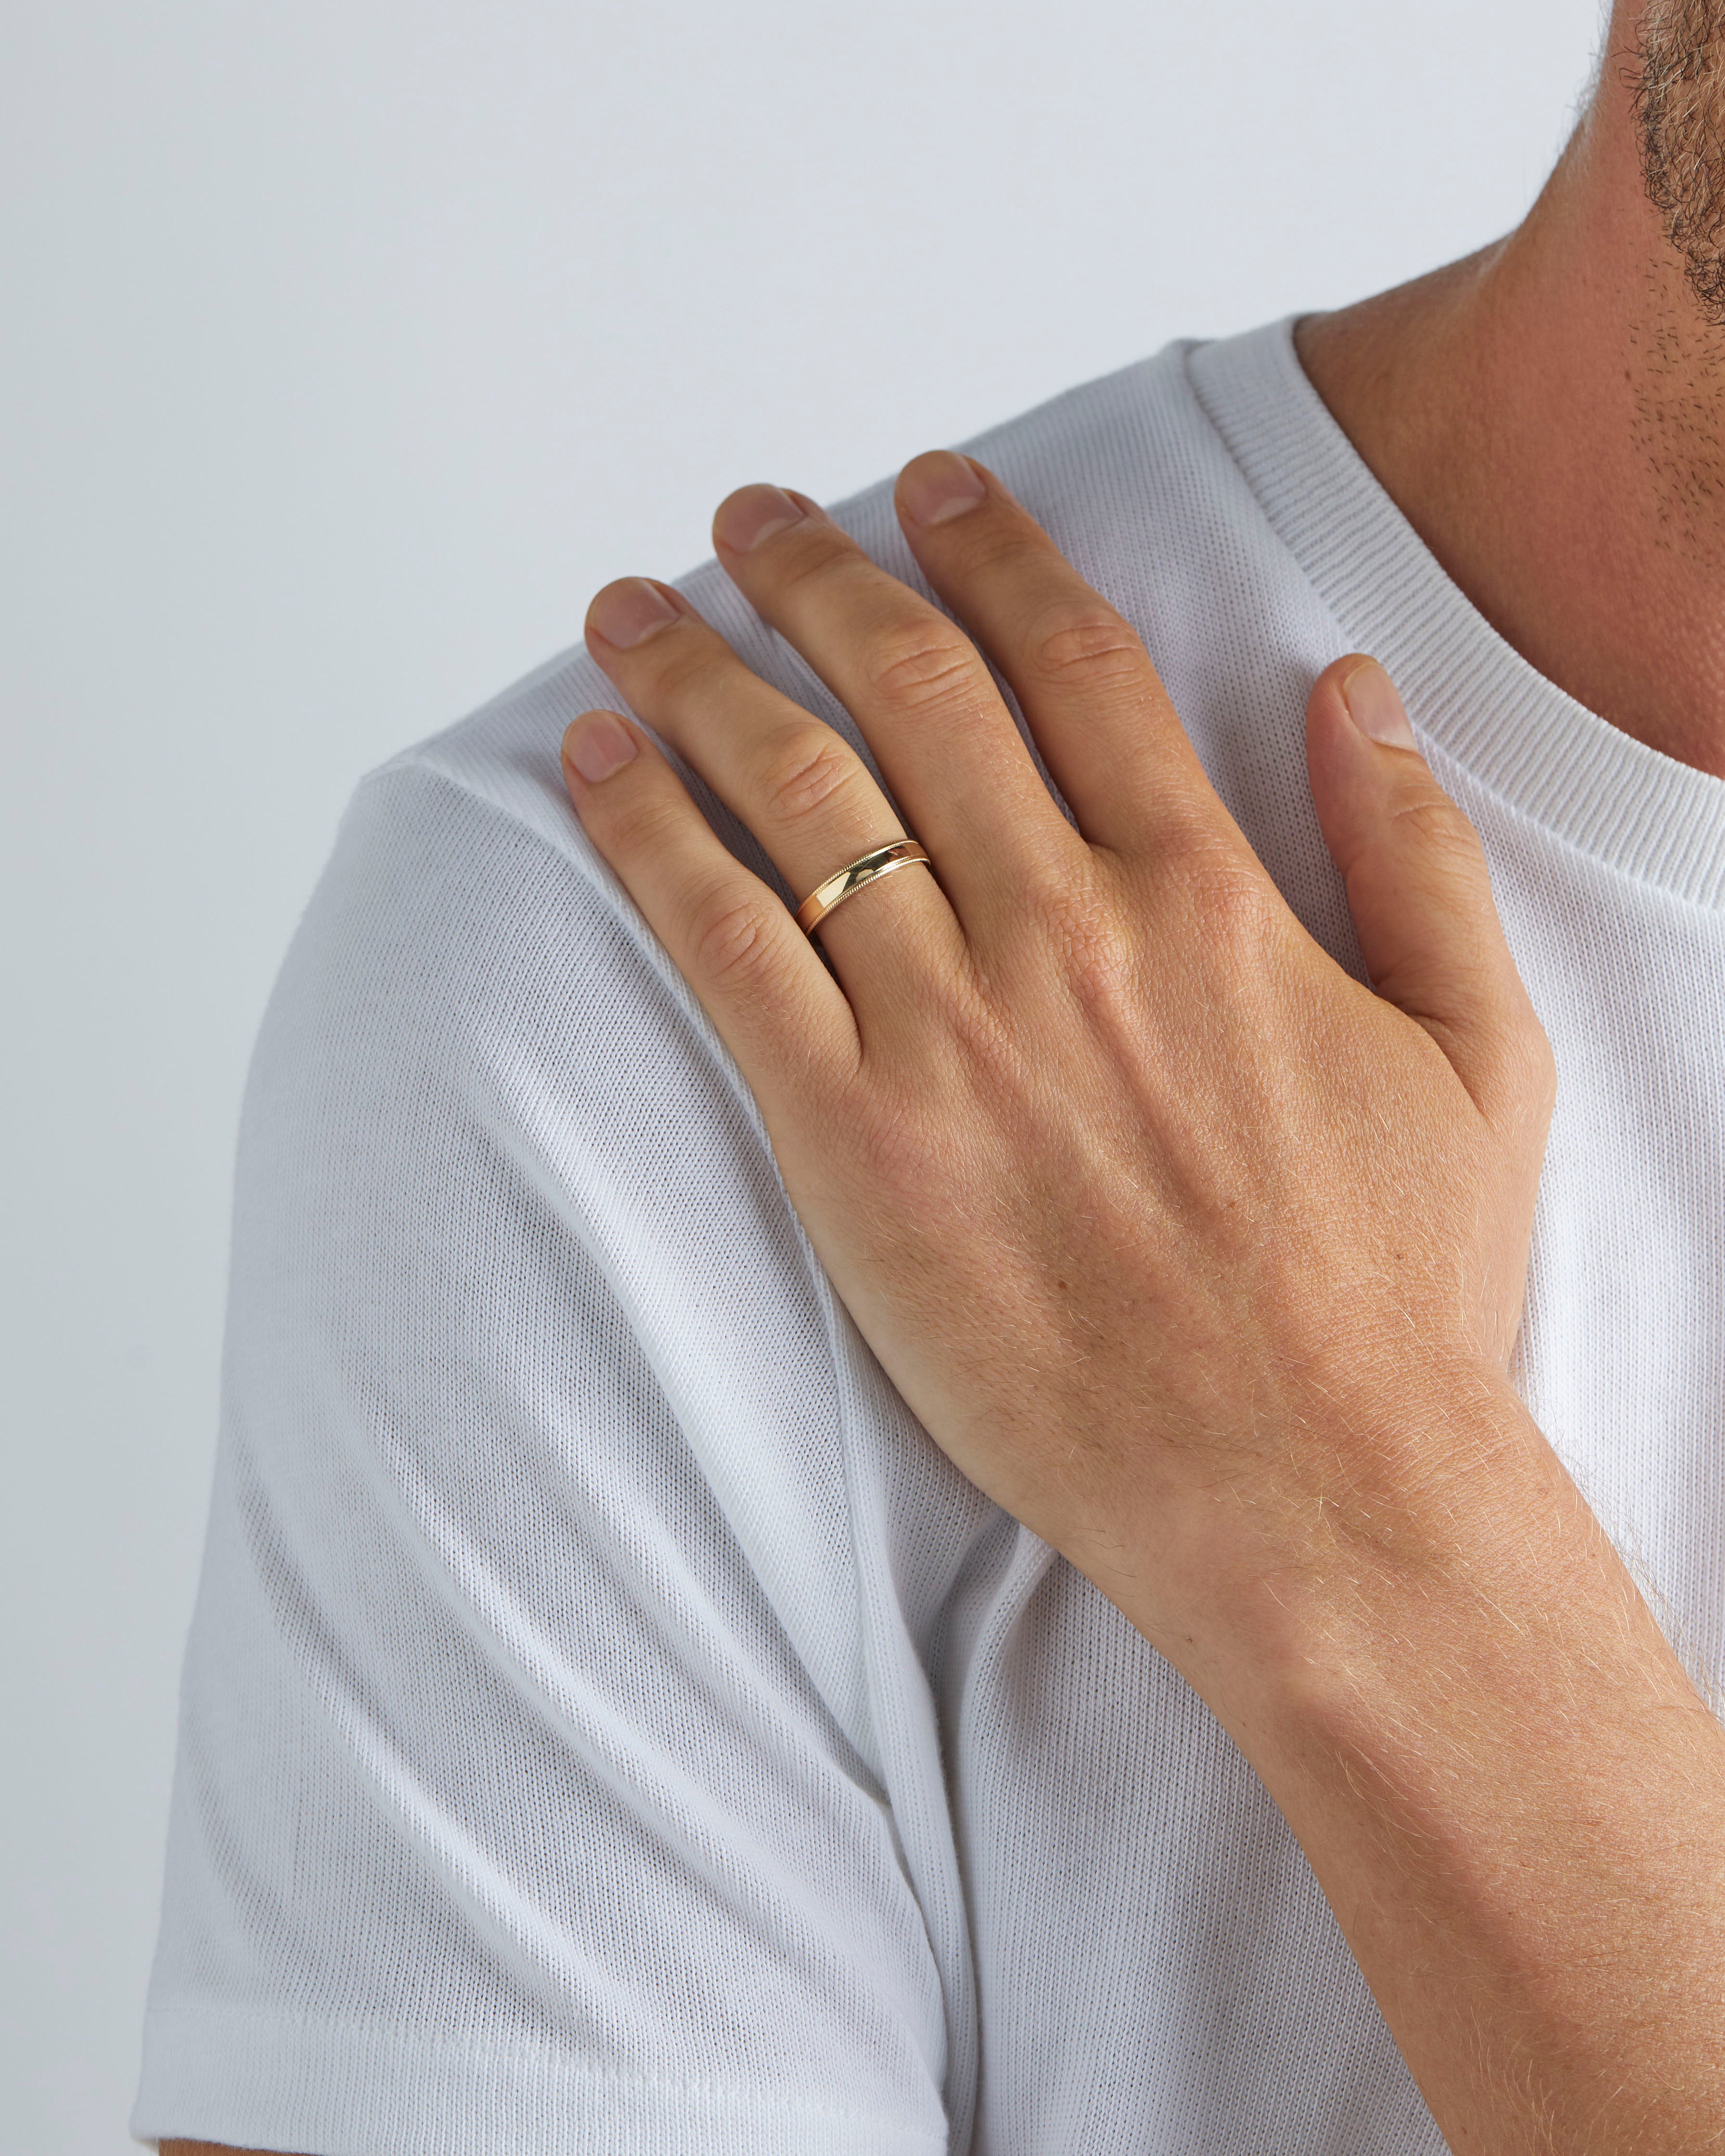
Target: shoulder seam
point(580, 857)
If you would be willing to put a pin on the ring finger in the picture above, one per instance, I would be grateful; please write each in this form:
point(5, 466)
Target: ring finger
point(797, 784)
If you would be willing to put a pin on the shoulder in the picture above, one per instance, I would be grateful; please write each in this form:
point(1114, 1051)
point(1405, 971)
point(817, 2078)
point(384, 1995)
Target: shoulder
point(1131, 478)
point(463, 871)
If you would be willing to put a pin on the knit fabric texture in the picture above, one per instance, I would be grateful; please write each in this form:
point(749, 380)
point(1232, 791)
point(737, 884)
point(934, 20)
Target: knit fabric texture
point(608, 1722)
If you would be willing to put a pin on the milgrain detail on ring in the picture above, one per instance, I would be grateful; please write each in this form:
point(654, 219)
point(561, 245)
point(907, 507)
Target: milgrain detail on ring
point(901, 853)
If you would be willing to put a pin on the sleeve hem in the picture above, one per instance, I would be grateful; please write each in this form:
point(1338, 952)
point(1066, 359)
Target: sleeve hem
point(326, 2087)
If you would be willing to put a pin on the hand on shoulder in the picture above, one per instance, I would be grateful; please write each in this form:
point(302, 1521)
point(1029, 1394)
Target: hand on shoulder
point(1203, 1258)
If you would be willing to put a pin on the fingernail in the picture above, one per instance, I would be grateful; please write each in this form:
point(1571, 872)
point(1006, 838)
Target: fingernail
point(752, 514)
point(1374, 707)
point(940, 486)
point(629, 612)
point(597, 746)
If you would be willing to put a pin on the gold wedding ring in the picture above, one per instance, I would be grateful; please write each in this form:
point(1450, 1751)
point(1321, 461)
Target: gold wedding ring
point(903, 854)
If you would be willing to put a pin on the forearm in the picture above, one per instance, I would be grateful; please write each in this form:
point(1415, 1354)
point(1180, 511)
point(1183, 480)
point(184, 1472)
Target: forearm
point(1127, 1183)
point(1515, 1802)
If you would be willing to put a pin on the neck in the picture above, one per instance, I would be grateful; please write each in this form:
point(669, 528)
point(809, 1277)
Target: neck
point(1550, 417)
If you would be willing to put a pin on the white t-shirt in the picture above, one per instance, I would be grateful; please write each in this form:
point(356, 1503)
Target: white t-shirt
point(610, 1724)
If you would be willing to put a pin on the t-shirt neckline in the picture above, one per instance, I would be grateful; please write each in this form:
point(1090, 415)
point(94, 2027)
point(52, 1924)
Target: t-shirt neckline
point(1472, 694)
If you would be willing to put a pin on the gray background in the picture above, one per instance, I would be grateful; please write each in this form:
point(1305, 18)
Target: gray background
point(349, 345)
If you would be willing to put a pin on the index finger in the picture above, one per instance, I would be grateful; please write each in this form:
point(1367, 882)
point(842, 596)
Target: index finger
point(1107, 727)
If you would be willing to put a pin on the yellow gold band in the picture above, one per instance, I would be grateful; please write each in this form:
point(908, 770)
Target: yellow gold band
point(903, 854)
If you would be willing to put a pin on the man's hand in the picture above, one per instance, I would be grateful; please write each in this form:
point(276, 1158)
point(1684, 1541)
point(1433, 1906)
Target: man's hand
point(1181, 1242)
point(1202, 1259)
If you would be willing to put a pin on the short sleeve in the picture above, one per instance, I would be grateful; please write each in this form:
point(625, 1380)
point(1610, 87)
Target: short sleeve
point(525, 1799)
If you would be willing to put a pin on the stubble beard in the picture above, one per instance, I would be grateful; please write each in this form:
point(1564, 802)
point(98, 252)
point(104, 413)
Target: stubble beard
point(1680, 113)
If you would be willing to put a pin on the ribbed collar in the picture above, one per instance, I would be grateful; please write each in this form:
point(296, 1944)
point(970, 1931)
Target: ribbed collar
point(1469, 693)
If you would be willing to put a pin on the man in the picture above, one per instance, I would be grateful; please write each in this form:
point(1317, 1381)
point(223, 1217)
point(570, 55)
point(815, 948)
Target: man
point(609, 1721)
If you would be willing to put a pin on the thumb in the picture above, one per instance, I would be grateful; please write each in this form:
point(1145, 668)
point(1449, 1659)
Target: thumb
point(1419, 890)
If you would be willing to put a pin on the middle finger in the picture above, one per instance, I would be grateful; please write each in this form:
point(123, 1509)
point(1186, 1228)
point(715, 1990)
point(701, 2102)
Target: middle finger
point(799, 787)
point(920, 691)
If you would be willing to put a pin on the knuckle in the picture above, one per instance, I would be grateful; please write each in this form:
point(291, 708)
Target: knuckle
point(809, 551)
point(682, 650)
point(1535, 1066)
point(1084, 638)
point(730, 938)
point(1092, 946)
point(1422, 811)
point(1516, 1063)
point(688, 670)
point(1239, 921)
point(918, 662)
point(1240, 905)
point(803, 767)
point(637, 820)
point(1221, 887)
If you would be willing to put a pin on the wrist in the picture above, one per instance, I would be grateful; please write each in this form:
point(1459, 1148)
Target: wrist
point(1401, 1500)
point(1510, 1792)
